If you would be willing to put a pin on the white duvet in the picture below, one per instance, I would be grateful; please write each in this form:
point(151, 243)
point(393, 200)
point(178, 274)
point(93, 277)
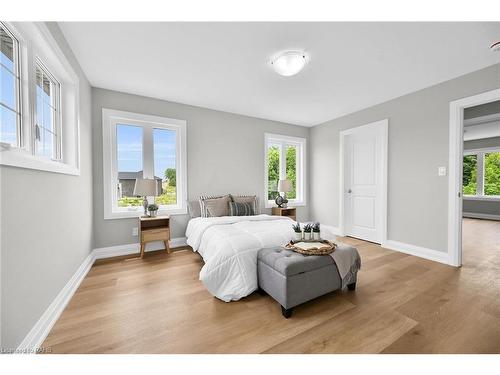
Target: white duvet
point(229, 247)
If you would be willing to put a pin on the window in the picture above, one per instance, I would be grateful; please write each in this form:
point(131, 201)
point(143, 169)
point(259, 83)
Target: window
point(39, 101)
point(470, 175)
point(492, 174)
point(481, 174)
point(47, 140)
point(285, 159)
point(164, 147)
point(10, 108)
point(129, 163)
point(141, 146)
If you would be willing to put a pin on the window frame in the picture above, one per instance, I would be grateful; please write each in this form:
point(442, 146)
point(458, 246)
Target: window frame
point(17, 75)
point(36, 43)
point(57, 153)
point(480, 196)
point(282, 141)
point(111, 118)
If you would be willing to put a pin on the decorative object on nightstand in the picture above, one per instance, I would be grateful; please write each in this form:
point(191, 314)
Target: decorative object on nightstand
point(298, 231)
point(145, 187)
point(154, 229)
point(153, 210)
point(290, 212)
point(284, 186)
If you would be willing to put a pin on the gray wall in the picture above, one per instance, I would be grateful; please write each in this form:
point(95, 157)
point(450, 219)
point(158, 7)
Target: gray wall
point(418, 145)
point(481, 207)
point(46, 228)
point(482, 143)
point(225, 154)
point(482, 110)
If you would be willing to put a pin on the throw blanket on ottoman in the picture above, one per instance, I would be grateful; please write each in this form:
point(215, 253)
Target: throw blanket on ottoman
point(348, 263)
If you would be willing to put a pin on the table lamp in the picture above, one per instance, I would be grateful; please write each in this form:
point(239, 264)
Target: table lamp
point(145, 187)
point(284, 186)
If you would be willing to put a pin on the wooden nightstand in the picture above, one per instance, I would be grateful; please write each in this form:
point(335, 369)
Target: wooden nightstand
point(291, 212)
point(154, 229)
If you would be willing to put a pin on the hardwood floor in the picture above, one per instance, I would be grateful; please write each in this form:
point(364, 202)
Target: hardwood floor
point(403, 304)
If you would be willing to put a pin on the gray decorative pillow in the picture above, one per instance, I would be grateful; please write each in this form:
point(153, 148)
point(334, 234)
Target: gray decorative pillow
point(252, 199)
point(194, 209)
point(202, 199)
point(215, 207)
point(241, 209)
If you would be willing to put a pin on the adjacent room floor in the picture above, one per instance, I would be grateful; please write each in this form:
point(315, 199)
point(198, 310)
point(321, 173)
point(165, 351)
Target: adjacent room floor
point(403, 304)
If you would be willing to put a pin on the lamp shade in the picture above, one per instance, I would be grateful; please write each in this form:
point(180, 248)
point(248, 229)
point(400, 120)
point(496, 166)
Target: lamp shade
point(285, 186)
point(145, 187)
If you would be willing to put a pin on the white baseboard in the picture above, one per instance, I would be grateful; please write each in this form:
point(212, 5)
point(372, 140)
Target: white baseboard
point(42, 327)
point(178, 242)
point(422, 252)
point(115, 251)
point(476, 215)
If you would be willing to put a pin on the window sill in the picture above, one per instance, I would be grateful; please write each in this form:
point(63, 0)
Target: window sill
point(140, 212)
point(291, 203)
point(15, 157)
point(494, 198)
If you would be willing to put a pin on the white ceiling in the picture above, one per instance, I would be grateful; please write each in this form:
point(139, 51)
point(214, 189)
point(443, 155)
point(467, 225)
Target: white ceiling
point(224, 66)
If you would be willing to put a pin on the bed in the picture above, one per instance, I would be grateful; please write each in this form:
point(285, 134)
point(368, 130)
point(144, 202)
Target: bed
point(229, 247)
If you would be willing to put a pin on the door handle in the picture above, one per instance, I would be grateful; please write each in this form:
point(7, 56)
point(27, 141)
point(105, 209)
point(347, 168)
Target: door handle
point(349, 191)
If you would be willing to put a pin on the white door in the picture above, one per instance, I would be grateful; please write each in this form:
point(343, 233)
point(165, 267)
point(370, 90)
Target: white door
point(364, 151)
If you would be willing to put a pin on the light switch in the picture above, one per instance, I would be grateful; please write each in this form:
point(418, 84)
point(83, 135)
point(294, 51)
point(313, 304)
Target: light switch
point(135, 231)
point(442, 171)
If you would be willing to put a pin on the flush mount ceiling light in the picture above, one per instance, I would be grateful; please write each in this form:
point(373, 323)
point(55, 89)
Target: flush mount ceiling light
point(289, 63)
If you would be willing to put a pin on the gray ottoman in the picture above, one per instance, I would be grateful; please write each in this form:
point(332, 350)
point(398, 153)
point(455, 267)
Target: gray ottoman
point(292, 278)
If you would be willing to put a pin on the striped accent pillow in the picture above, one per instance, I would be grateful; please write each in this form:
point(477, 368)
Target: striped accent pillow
point(252, 199)
point(241, 209)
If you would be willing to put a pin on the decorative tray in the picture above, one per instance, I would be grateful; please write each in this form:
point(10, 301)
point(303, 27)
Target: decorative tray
point(312, 247)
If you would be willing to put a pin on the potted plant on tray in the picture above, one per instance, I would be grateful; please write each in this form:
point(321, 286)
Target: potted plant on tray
point(298, 231)
point(308, 231)
point(316, 231)
point(153, 210)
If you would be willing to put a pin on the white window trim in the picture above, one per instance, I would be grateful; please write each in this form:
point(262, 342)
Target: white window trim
point(36, 41)
point(301, 172)
point(481, 152)
point(110, 118)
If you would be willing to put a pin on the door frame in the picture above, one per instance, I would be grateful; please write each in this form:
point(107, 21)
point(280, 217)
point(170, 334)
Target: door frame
point(456, 145)
point(383, 127)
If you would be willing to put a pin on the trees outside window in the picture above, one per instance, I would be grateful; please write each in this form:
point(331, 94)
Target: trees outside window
point(492, 173)
point(469, 180)
point(481, 174)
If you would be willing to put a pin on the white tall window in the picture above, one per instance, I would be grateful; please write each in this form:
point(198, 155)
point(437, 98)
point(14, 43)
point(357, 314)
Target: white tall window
point(47, 114)
point(285, 159)
point(141, 146)
point(10, 106)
